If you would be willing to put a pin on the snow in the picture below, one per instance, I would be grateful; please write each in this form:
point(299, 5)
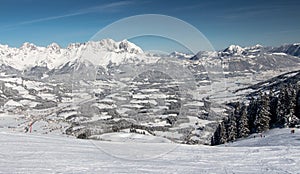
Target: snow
point(12, 103)
point(133, 106)
point(34, 85)
point(28, 96)
point(194, 103)
point(47, 96)
point(278, 152)
point(122, 110)
point(158, 123)
point(104, 106)
point(234, 49)
point(53, 56)
point(131, 137)
point(274, 137)
point(143, 102)
point(29, 103)
point(280, 54)
point(66, 114)
point(16, 80)
point(35, 153)
point(251, 56)
point(179, 55)
point(149, 90)
point(140, 96)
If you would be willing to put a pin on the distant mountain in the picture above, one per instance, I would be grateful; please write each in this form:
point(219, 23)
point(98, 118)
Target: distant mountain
point(179, 55)
point(104, 52)
point(53, 56)
point(290, 49)
point(287, 49)
point(250, 59)
point(233, 50)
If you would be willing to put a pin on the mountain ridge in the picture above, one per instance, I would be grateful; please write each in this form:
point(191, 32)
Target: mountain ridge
point(53, 56)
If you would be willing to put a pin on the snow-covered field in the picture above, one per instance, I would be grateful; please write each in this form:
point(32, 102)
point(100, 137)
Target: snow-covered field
point(34, 153)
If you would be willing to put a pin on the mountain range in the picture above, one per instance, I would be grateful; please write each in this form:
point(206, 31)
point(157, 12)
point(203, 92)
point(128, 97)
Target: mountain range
point(53, 56)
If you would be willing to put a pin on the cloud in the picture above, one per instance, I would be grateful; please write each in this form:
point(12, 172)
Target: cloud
point(106, 7)
point(109, 7)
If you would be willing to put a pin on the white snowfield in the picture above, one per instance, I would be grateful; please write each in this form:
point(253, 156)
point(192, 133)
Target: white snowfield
point(33, 153)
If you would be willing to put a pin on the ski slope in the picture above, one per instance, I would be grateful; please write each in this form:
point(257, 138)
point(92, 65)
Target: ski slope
point(274, 137)
point(34, 153)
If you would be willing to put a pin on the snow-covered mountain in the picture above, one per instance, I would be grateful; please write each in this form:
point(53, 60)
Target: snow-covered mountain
point(108, 51)
point(233, 50)
point(290, 49)
point(180, 55)
point(236, 59)
point(236, 50)
point(53, 56)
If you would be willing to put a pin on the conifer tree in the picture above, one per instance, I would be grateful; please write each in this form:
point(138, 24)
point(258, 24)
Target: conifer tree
point(251, 113)
point(281, 110)
point(291, 116)
point(286, 106)
point(243, 123)
point(297, 111)
point(219, 135)
point(263, 114)
point(273, 108)
point(231, 128)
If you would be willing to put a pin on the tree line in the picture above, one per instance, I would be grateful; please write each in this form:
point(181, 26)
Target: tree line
point(270, 109)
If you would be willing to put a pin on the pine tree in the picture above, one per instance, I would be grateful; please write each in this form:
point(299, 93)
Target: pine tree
point(286, 106)
point(282, 106)
point(297, 103)
point(273, 108)
point(263, 114)
point(291, 116)
point(219, 136)
point(292, 119)
point(243, 123)
point(237, 109)
point(231, 128)
point(252, 112)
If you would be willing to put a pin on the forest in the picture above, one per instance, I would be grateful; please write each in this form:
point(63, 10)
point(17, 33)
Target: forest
point(267, 110)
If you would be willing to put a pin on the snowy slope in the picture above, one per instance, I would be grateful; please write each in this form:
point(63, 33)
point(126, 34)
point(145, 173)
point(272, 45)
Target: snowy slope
point(55, 154)
point(274, 137)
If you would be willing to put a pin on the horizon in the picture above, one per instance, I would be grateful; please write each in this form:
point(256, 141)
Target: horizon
point(223, 23)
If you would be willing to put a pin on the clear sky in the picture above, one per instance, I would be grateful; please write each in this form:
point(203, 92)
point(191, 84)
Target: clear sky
point(223, 22)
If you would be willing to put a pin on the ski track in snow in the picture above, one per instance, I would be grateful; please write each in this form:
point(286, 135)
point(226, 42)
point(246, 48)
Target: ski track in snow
point(33, 153)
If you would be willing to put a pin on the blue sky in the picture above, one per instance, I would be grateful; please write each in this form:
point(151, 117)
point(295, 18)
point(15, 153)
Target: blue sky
point(268, 22)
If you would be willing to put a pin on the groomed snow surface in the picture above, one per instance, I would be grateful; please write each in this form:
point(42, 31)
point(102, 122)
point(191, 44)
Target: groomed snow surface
point(277, 152)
